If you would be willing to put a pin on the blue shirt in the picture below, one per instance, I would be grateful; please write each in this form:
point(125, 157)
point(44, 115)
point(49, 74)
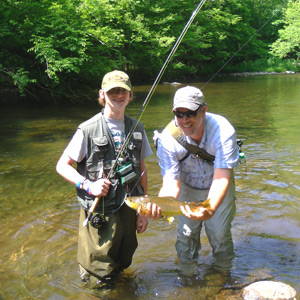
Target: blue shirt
point(218, 139)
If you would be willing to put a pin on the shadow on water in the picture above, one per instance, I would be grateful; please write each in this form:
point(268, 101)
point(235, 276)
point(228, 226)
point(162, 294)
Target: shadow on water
point(39, 211)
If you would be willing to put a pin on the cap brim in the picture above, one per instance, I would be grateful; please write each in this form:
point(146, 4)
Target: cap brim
point(187, 105)
point(116, 85)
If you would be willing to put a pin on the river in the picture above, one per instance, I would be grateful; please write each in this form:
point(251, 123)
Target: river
point(39, 211)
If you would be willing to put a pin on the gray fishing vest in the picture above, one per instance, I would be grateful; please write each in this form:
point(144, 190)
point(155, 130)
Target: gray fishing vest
point(101, 155)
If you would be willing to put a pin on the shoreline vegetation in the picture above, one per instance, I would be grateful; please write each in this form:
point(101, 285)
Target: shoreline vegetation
point(58, 51)
point(11, 95)
point(271, 65)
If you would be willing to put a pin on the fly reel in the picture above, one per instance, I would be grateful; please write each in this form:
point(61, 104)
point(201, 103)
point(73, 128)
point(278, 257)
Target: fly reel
point(97, 220)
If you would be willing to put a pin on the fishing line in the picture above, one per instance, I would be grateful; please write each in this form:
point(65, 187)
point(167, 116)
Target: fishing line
point(143, 108)
point(247, 42)
point(160, 74)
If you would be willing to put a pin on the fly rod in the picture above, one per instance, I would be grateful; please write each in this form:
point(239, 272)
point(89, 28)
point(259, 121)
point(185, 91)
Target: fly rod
point(227, 62)
point(143, 108)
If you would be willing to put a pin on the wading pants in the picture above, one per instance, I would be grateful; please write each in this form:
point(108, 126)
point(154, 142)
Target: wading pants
point(217, 228)
point(106, 251)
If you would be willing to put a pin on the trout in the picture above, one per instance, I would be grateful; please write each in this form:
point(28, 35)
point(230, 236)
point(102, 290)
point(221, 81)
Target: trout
point(170, 206)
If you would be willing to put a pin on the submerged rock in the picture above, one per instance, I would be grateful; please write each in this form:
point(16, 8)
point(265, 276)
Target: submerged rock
point(269, 290)
point(172, 83)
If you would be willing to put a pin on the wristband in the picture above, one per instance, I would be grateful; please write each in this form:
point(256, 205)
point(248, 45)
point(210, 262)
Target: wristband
point(88, 190)
point(78, 185)
point(86, 184)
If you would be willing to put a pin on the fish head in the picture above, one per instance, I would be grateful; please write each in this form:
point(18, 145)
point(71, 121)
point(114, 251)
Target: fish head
point(131, 204)
point(137, 202)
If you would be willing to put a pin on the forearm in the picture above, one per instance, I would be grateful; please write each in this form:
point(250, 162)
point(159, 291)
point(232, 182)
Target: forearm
point(67, 171)
point(219, 187)
point(170, 188)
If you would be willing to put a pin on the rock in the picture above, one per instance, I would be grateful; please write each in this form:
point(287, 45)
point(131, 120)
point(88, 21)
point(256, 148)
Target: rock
point(172, 83)
point(269, 290)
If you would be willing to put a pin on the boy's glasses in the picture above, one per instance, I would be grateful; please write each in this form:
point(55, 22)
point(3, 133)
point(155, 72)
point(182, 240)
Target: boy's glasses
point(189, 113)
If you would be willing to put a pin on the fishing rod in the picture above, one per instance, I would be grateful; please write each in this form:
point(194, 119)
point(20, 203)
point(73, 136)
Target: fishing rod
point(147, 100)
point(160, 74)
point(254, 34)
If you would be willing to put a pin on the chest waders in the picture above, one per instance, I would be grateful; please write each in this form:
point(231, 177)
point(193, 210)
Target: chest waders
point(91, 259)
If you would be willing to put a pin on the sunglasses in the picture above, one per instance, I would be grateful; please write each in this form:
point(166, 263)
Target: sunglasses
point(189, 113)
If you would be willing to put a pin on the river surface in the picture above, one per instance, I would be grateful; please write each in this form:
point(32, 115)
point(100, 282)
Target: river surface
point(39, 212)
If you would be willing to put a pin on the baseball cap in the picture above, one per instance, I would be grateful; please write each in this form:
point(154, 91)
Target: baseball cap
point(188, 97)
point(115, 79)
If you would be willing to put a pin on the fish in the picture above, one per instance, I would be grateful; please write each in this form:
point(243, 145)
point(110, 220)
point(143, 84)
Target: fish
point(170, 206)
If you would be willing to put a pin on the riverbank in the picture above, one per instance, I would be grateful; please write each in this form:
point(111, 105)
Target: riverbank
point(11, 95)
point(262, 73)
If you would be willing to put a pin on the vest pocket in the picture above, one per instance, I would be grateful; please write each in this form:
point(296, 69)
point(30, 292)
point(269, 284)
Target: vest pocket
point(135, 149)
point(99, 146)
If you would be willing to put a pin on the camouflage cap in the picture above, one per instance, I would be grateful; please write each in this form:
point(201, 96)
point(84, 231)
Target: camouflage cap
point(115, 79)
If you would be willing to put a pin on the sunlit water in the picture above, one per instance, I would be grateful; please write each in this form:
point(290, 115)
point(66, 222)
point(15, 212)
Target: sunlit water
point(39, 212)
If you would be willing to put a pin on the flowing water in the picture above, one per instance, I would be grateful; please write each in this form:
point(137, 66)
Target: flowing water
point(39, 211)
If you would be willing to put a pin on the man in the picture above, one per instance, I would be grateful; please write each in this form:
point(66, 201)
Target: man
point(107, 243)
point(189, 178)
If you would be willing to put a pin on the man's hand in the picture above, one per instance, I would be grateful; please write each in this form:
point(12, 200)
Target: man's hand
point(153, 211)
point(141, 224)
point(202, 215)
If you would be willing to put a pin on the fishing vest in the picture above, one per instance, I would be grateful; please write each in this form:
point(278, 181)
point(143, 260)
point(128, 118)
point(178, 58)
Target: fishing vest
point(101, 157)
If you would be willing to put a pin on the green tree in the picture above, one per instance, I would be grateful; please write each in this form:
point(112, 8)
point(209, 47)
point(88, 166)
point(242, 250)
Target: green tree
point(62, 48)
point(41, 42)
point(288, 43)
point(220, 29)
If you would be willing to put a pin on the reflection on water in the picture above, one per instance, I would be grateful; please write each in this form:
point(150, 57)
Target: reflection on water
point(39, 211)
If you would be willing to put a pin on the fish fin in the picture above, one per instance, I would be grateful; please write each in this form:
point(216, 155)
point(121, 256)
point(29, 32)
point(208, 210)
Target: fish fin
point(170, 220)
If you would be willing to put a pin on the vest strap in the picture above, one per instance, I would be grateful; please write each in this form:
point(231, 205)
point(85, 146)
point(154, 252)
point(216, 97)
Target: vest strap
point(178, 135)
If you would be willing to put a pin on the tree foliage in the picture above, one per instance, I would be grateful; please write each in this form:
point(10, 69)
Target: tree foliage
point(288, 44)
point(63, 48)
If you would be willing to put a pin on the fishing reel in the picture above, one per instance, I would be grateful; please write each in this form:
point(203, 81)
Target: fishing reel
point(97, 220)
point(242, 158)
point(239, 143)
